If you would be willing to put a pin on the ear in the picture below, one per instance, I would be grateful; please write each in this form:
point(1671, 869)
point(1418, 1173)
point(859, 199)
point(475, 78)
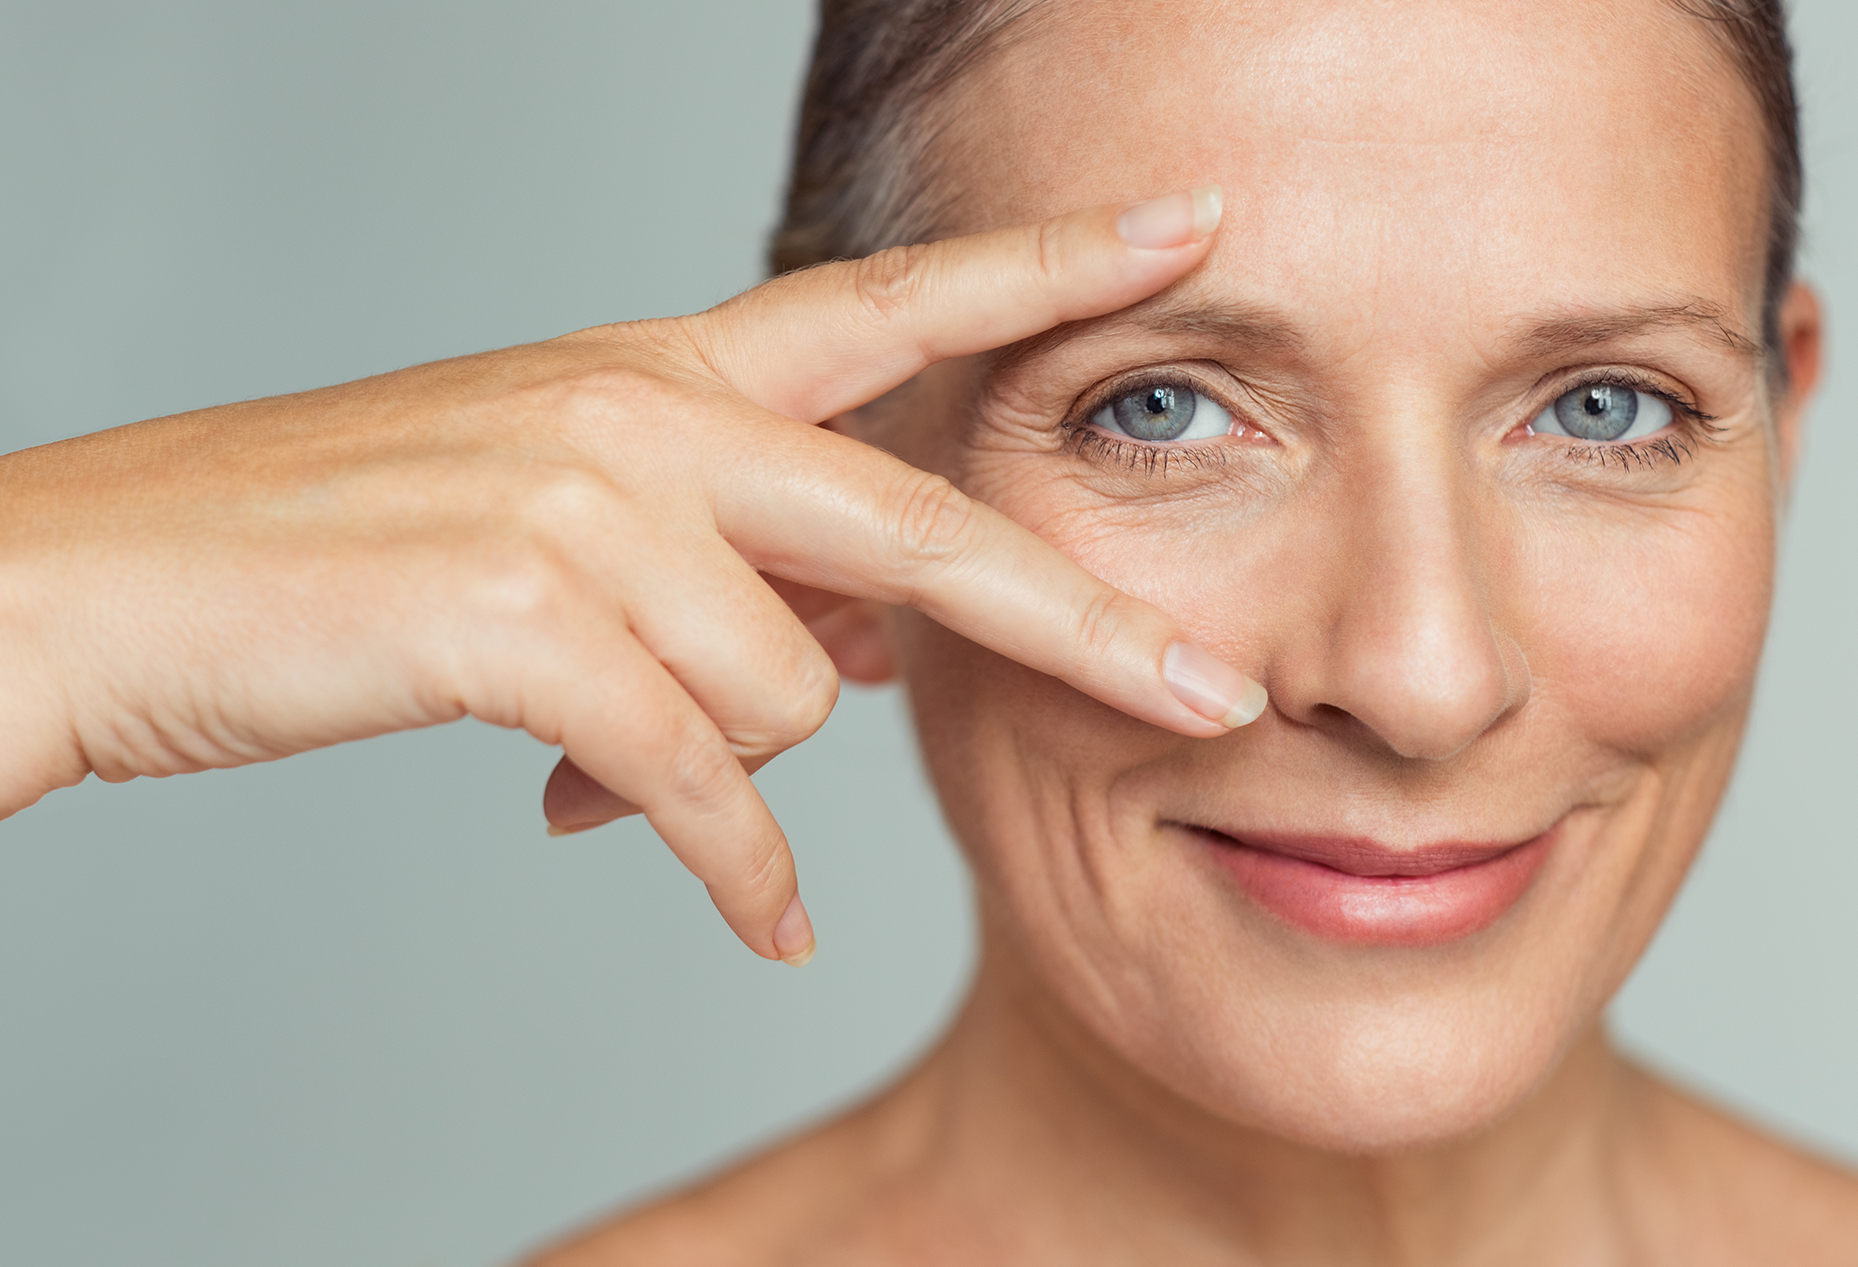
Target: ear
point(857, 637)
point(1802, 333)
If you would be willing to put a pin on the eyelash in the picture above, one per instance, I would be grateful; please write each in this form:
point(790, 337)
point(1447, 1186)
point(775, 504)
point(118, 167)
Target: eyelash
point(1151, 459)
point(1695, 427)
point(1133, 455)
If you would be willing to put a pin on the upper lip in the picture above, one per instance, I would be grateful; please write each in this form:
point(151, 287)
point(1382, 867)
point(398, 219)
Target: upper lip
point(1364, 856)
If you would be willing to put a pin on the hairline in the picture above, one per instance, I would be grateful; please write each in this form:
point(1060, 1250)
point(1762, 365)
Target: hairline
point(907, 199)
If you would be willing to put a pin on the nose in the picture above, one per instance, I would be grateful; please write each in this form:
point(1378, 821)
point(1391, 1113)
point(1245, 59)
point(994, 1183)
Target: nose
point(1406, 650)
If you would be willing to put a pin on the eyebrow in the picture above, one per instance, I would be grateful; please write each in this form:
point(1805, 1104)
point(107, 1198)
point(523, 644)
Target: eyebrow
point(1232, 324)
point(1571, 334)
point(1264, 330)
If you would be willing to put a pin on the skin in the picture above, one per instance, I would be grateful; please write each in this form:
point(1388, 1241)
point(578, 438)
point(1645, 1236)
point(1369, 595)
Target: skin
point(1470, 633)
point(518, 537)
point(1440, 217)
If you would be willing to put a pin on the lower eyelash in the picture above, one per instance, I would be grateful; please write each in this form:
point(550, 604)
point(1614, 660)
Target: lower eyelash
point(1698, 427)
point(1150, 459)
point(1634, 455)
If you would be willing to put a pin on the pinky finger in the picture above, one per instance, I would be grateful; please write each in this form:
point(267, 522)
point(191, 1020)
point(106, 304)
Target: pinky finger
point(634, 732)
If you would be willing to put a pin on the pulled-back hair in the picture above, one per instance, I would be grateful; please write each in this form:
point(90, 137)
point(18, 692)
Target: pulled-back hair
point(869, 118)
point(877, 92)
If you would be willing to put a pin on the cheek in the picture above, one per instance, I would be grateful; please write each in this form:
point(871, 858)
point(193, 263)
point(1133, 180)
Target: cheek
point(1647, 629)
point(1018, 758)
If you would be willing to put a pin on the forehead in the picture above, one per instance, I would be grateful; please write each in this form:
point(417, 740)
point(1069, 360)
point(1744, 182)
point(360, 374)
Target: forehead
point(1425, 151)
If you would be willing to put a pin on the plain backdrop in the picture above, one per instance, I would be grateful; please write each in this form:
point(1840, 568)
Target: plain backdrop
point(357, 1008)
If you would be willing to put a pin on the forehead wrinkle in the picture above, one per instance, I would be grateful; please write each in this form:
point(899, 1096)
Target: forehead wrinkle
point(1255, 328)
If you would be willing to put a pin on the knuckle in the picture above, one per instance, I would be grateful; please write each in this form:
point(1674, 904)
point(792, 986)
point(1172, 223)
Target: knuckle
point(792, 712)
point(934, 520)
point(812, 692)
point(815, 701)
point(594, 388)
point(888, 282)
point(522, 583)
point(608, 391)
point(526, 568)
point(1048, 242)
point(701, 771)
point(1097, 624)
point(767, 877)
point(565, 501)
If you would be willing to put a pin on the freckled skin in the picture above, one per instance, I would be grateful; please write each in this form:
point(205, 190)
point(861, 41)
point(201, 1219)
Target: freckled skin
point(1468, 632)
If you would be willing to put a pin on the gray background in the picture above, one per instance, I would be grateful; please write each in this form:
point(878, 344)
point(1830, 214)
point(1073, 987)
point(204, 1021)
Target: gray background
point(357, 1008)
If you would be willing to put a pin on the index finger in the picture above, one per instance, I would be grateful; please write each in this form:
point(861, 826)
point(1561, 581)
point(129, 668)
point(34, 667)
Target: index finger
point(828, 511)
point(817, 343)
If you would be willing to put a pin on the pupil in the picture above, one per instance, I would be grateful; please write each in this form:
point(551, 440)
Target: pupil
point(1154, 413)
point(1600, 412)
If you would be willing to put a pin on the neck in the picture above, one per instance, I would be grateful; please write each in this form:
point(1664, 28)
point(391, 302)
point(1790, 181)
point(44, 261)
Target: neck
point(1035, 1130)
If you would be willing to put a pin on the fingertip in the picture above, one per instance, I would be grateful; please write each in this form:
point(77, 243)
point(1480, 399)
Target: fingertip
point(1250, 707)
point(1209, 209)
point(793, 935)
point(1212, 688)
point(1172, 220)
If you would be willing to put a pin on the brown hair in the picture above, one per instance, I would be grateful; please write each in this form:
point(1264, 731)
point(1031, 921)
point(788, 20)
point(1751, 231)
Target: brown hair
point(877, 88)
point(869, 118)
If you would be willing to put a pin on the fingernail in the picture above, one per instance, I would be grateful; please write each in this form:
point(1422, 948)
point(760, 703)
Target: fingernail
point(1211, 687)
point(554, 830)
point(1171, 220)
point(793, 936)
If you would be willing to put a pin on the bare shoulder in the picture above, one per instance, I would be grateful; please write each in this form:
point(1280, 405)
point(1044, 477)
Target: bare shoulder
point(808, 1199)
point(1739, 1194)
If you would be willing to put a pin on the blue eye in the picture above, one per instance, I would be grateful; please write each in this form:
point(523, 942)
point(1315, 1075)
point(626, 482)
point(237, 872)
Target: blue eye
point(1604, 412)
point(1161, 412)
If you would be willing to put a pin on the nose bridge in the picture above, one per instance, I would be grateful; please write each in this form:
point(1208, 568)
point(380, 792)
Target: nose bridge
point(1413, 653)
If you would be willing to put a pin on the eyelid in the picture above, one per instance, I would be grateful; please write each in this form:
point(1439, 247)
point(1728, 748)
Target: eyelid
point(1563, 382)
point(1674, 443)
point(1101, 395)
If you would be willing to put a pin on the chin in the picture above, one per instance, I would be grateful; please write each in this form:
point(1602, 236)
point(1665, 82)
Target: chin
point(1398, 1082)
point(1340, 1075)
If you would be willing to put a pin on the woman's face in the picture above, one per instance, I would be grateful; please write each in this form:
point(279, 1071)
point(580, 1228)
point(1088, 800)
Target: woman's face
point(1480, 481)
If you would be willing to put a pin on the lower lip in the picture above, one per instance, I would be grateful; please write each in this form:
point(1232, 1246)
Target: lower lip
point(1383, 910)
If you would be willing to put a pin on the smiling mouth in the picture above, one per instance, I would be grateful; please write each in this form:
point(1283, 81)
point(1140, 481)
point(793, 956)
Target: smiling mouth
point(1365, 892)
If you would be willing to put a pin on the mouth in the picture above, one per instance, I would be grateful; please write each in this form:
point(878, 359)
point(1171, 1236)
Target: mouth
point(1364, 891)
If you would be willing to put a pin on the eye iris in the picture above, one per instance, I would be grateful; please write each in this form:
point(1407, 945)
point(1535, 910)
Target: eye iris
point(1154, 413)
point(1603, 411)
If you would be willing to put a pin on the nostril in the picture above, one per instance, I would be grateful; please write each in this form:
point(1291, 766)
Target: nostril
point(1413, 715)
point(1331, 716)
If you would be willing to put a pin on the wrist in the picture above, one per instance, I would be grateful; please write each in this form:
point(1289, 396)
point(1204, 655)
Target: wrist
point(39, 751)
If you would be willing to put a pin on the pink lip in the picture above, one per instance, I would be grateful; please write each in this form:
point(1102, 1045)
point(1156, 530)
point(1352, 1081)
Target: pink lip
point(1361, 891)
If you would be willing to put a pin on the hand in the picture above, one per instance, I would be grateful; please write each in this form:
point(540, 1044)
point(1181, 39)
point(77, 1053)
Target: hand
point(571, 537)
